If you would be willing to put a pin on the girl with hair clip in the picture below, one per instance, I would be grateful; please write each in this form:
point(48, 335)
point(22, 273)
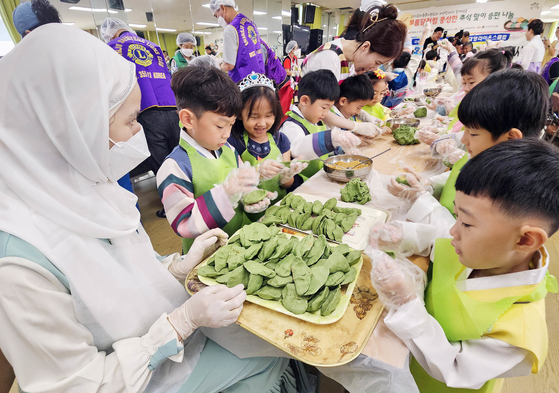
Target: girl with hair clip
point(372, 38)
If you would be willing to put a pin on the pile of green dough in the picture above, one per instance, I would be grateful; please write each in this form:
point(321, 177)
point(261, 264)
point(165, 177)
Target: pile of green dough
point(420, 112)
point(329, 220)
point(254, 196)
point(405, 135)
point(304, 275)
point(356, 191)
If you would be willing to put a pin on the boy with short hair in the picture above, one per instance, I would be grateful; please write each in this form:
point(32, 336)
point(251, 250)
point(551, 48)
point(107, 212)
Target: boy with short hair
point(187, 179)
point(484, 313)
point(308, 135)
point(355, 92)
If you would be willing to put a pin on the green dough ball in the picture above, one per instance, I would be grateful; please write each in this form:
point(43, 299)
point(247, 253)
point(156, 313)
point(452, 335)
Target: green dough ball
point(301, 276)
point(317, 250)
point(279, 281)
point(335, 279)
point(272, 220)
point(353, 257)
point(356, 190)
point(291, 301)
point(316, 207)
point(209, 271)
point(405, 135)
point(254, 197)
point(420, 112)
point(308, 207)
point(342, 249)
point(331, 302)
point(337, 262)
point(283, 268)
point(254, 283)
point(269, 293)
point(252, 251)
point(304, 246)
point(350, 276)
point(316, 302)
point(257, 268)
point(330, 204)
point(402, 180)
point(319, 275)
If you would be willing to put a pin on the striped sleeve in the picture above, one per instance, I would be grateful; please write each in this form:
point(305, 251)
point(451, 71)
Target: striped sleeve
point(189, 217)
point(307, 146)
point(455, 63)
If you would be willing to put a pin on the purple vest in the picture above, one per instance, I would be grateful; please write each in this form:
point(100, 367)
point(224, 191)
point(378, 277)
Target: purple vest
point(249, 53)
point(152, 72)
point(274, 68)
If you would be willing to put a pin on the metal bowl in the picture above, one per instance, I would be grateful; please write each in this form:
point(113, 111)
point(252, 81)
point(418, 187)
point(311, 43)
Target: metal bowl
point(395, 123)
point(433, 91)
point(344, 175)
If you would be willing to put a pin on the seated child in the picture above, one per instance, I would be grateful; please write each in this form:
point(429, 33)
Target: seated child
point(380, 86)
point(256, 138)
point(492, 112)
point(187, 179)
point(308, 135)
point(484, 312)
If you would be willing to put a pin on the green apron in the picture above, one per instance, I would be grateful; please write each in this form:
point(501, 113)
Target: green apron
point(454, 115)
point(180, 60)
point(309, 128)
point(205, 174)
point(271, 185)
point(461, 316)
point(448, 194)
point(376, 110)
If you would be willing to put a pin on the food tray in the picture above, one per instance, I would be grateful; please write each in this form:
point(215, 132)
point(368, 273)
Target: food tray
point(317, 345)
point(358, 237)
point(309, 317)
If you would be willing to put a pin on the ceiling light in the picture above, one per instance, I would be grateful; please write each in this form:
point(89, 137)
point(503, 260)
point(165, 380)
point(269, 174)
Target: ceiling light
point(481, 1)
point(69, 23)
point(278, 32)
point(555, 7)
point(545, 12)
point(207, 24)
point(286, 13)
point(137, 26)
point(206, 5)
point(262, 28)
point(277, 17)
point(259, 13)
point(165, 30)
point(87, 9)
point(201, 32)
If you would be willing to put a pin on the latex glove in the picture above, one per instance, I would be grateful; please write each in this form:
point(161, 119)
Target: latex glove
point(345, 139)
point(295, 168)
point(366, 129)
point(365, 117)
point(394, 283)
point(215, 306)
point(259, 207)
point(204, 246)
point(418, 186)
point(426, 135)
point(269, 169)
point(240, 181)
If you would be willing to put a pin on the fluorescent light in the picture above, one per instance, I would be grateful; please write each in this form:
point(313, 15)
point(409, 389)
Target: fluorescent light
point(286, 13)
point(201, 32)
point(206, 5)
point(207, 24)
point(323, 25)
point(278, 32)
point(545, 12)
point(137, 26)
point(259, 13)
point(87, 9)
point(69, 23)
point(555, 7)
point(277, 17)
point(165, 30)
point(262, 28)
point(481, 1)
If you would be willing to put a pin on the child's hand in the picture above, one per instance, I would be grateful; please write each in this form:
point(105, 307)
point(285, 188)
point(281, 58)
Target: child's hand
point(295, 168)
point(345, 139)
point(259, 207)
point(426, 135)
point(269, 169)
point(240, 181)
point(426, 31)
point(365, 117)
point(418, 185)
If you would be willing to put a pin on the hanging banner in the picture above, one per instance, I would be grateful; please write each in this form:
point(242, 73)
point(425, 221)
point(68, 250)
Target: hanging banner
point(497, 21)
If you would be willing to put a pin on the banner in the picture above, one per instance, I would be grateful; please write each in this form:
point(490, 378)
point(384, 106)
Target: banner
point(498, 21)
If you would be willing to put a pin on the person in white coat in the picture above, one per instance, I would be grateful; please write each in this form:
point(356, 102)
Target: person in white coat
point(531, 56)
point(85, 305)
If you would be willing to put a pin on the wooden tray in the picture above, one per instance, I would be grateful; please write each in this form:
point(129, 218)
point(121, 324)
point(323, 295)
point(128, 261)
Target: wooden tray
point(318, 345)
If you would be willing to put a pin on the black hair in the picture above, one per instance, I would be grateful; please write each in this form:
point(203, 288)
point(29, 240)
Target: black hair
point(519, 176)
point(469, 43)
point(251, 97)
point(402, 61)
point(319, 85)
point(490, 61)
point(202, 89)
point(374, 79)
point(504, 100)
point(380, 27)
point(439, 28)
point(536, 25)
point(45, 12)
point(466, 34)
point(431, 55)
point(357, 88)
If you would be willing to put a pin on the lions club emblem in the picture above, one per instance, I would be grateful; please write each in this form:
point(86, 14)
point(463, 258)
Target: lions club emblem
point(252, 34)
point(140, 55)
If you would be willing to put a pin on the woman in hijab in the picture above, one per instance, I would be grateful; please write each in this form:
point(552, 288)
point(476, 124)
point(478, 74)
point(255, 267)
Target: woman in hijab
point(84, 303)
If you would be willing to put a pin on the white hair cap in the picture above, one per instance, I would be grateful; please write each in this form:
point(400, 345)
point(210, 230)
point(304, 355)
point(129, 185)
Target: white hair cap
point(185, 38)
point(290, 46)
point(205, 61)
point(111, 26)
point(366, 5)
point(215, 4)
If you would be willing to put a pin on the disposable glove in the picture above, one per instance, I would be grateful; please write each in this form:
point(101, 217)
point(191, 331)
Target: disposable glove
point(448, 150)
point(344, 139)
point(269, 169)
point(240, 181)
point(426, 135)
point(215, 306)
point(204, 246)
point(259, 207)
point(418, 185)
point(366, 129)
point(365, 117)
point(295, 168)
point(445, 44)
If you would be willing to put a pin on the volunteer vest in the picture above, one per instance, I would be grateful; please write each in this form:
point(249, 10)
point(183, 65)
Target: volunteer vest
point(273, 67)
point(179, 59)
point(249, 51)
point(515, 315)
point(376, 110)
point(344, 65)
point(206, 173)
point(151, 70)
point(448, 194)
point(308, 128)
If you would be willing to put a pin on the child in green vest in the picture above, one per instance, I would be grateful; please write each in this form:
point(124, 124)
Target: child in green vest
point(483, 317)
point(308, 135)
point(201, 182)
point(256, 138)
point(380, 86)
point(492, 112)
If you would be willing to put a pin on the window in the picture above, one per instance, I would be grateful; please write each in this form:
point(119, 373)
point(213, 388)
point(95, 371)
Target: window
point(6, 43)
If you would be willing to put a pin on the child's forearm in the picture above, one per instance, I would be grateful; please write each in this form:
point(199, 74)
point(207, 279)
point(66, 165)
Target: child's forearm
point(332, 120)
point(312, 146)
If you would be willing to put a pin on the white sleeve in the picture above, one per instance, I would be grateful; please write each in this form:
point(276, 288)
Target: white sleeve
point(527, 54)
point(419, 238)
point(427, 210)
point(52, 352)
point(465, 364)
point(301, 144)
point(325, 60)
point(438, 183)
point(230, 45)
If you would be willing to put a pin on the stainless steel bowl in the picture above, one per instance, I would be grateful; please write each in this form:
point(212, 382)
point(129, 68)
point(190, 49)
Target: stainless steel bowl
point(395, 123)
point(433, 91)
point(344, 175)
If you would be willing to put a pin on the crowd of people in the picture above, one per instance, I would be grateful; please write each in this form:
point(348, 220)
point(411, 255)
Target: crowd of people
point(87, 304)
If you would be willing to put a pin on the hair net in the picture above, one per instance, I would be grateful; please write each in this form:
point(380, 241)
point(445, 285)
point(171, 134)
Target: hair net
point(184, 38)
point(24, 18)
point(368, 4)
point(215, 4)
point(110, 26)
point(205, 61)
point(290, 46)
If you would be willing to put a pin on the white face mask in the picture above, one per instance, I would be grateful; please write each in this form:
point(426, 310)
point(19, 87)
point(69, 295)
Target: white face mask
point(187, 52)
point(297, 53)
point(221, 22)
point(125, 156)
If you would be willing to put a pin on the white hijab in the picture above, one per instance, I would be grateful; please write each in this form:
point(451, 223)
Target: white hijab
point(59, 86)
